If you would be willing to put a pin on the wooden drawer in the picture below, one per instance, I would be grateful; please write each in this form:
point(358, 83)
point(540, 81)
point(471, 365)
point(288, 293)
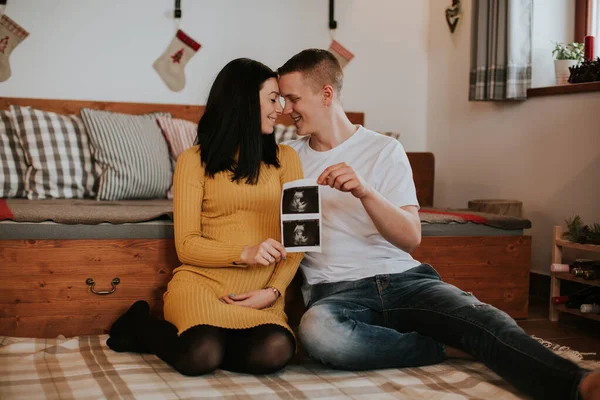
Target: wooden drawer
point(43, 289)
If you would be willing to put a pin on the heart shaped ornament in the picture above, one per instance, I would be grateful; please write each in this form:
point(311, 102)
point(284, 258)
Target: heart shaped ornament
point(453, 15)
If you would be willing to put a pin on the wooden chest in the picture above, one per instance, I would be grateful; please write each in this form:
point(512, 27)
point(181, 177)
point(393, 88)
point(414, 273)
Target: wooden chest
point(44, 290)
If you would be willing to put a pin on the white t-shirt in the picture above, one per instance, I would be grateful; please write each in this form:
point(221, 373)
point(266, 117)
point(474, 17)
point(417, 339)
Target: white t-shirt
point(351, 246)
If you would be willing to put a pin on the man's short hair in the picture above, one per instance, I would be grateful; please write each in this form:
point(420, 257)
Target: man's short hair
point(319, 66)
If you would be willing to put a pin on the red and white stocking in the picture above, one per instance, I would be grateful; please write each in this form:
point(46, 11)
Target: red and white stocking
point(342, 54)
point(11, 35)
point(171, 64)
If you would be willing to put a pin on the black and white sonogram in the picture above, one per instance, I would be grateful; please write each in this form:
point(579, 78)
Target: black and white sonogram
point(301, 200)
point(301, 233)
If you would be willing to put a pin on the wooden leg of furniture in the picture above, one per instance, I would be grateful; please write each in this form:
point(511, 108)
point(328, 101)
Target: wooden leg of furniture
point(554, 292)
point(554, 282)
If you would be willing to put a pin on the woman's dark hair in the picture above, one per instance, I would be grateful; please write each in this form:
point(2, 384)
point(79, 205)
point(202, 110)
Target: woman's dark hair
point(232, 122)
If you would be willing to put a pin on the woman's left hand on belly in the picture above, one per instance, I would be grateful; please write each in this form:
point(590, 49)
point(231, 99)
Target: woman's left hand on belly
point(257, 299)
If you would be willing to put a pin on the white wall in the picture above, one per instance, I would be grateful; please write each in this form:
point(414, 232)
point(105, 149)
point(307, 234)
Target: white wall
point(104, 50)
point(544, 151)
point(553, 21)
point(409, 75)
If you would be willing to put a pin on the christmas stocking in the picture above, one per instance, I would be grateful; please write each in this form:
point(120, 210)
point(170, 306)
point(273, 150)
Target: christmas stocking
point(171, 64)
point(11, 35)
point(342, 54)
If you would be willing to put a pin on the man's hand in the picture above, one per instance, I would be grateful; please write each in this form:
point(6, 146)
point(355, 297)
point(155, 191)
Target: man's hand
point(343, 177)
point(257, 299)
point(266, 253)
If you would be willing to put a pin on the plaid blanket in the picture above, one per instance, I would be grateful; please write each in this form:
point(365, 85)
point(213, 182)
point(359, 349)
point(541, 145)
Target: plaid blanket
point(463, 216)
point(85, 368)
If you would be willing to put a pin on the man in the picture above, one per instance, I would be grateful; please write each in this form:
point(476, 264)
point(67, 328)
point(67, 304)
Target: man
point(370, 304)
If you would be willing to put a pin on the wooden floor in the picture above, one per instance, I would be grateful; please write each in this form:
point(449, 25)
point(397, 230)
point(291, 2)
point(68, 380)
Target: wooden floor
point(578, 333)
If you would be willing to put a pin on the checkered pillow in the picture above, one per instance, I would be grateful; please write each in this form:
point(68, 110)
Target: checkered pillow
point(284, 133)
point(58, 154)
point(12, 159)
point(395, 135)
point(180, 135)
point(132, 153)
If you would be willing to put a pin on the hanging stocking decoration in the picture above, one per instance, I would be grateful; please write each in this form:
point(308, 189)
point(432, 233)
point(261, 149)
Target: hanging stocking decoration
point(171, 64)
point(342, 54)
point(11, 35)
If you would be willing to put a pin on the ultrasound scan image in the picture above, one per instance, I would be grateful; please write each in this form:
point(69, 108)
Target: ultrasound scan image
point(304, 200)
point(301, 233)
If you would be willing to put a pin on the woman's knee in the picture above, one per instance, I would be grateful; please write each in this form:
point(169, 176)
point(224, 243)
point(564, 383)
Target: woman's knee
point(273, 353)
point(200, 352)
point(199, 361)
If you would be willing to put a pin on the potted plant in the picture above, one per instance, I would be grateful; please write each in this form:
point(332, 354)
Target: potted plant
point(566, 56)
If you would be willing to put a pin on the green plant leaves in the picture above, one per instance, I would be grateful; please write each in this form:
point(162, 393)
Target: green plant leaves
point(570, 51)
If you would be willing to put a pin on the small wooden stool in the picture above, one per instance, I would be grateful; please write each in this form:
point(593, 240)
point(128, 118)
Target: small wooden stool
point(512, 208)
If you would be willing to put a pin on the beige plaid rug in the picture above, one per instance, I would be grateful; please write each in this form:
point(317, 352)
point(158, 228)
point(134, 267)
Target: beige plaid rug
point(85, 368)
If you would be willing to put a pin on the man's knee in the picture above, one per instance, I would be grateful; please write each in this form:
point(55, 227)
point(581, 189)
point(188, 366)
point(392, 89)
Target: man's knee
point(326, 337)
point(317, 323)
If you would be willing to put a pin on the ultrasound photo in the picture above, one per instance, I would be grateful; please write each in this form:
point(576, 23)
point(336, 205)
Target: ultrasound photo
point(301, 200)
point(301, 233)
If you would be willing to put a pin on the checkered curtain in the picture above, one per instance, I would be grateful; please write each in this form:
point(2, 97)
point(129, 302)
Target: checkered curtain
point(500, 50)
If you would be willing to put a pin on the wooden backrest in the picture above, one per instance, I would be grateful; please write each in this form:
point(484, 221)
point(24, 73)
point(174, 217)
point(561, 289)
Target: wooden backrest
point(182, 111)
point(423, 166)
point(422, 163)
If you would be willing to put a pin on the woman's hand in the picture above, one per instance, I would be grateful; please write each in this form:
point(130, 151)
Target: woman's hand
point(257, 299)
point(266, 253)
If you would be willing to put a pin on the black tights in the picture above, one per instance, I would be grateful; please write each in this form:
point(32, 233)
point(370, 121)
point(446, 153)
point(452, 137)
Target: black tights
point(202, 349)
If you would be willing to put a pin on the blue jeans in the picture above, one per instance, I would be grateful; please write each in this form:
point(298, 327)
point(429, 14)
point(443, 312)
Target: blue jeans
point(404, 320)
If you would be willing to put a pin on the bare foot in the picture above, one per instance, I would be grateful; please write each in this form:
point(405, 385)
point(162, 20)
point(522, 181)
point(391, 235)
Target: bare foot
point(589, 388)
point(453, 352)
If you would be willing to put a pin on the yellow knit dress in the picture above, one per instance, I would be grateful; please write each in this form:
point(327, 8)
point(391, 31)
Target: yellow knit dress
point(214, 219)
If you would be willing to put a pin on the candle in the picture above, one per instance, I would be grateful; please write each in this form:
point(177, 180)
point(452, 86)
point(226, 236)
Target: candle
point(588, 48)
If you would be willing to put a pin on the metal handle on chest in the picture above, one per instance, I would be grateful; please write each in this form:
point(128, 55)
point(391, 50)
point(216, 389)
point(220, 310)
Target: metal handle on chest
point(92, 284)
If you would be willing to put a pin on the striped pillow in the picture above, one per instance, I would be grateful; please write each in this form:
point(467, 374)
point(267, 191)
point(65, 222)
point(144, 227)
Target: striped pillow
point(180, 135)
point(12, 159)
point(284, 133)
point(132, 153)
point(58, 154)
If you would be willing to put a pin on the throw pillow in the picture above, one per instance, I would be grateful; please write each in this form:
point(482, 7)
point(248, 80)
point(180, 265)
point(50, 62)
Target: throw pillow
point(180, 135)
point(132, 154)
point(12, 159)
point(284, 133)
point(58, 154)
